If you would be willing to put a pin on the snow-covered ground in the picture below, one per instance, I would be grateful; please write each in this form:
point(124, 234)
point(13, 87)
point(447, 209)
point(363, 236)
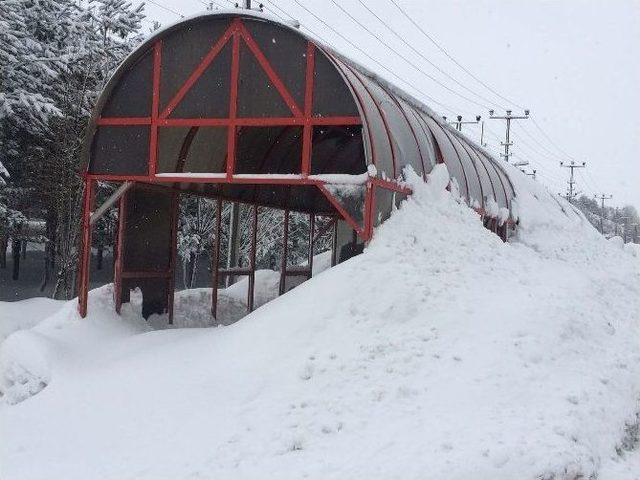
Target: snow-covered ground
point(25, 314)
point(440, 352)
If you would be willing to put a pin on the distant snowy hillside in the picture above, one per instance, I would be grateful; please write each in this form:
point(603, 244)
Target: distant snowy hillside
point(438, 353)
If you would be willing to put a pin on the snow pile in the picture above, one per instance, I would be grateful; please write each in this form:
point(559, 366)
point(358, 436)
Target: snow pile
point(25, 314)
point(440, 352)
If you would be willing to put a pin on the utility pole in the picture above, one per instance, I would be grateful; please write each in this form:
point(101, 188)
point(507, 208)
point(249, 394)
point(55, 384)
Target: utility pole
point(482, 144)
point(602, 198)
point(246, 4)
point(625, 227)
point(532, 174)
point(572, 166)
point(508, 118)
point(459, 122)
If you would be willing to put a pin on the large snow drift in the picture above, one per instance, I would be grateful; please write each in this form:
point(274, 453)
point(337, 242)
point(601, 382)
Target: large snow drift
point(440, 352)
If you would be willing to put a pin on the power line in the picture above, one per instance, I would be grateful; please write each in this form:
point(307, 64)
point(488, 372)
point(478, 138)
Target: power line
point(381, 65)
point(550, 140)
point(415, 67)
point(164, 7)
point(550, 178)
point(421, 55)
point(488, 87)
point(547, 152)
point(450, 57)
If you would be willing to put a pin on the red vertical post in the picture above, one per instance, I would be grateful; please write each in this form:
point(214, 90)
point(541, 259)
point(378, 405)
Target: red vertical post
point(307, 132)
point(117, 274)
point(216, 261)
point(233, 101)
point(155, 101)
point(85, 248)
point(252, 264)
point(369, 207)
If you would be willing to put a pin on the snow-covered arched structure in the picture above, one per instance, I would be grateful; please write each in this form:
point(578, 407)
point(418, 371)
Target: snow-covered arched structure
point(237, 106)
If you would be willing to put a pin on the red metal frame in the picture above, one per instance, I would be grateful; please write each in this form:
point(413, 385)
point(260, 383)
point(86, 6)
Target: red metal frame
point(200, 69)
point(307, 132)
point(117, 282)
point(233, 101)
point(271, 73)
point(85, 251)
point(159, 118)
point(155, 100)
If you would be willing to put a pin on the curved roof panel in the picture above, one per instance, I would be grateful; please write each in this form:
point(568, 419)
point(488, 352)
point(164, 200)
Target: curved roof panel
point(236, 94)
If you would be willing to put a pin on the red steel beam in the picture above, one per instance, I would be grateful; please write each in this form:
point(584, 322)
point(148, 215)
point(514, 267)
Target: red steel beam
point(369, 209)
point(200, 69)
point(85, 252)
point(268, 69)
point(307, 132)
point(117, 274)
point(348, 218)
point(123, 121)
point(391, 185)
point(233, 100)
point(155, 99)
point(337, 121)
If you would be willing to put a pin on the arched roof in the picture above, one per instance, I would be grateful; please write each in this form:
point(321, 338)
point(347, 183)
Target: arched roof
point(224, 99)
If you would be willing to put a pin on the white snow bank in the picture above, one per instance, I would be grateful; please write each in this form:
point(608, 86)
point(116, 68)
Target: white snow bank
point(23, 314)
point(440, 352)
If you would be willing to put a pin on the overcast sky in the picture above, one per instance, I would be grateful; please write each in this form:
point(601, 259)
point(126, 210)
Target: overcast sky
point(574, 63)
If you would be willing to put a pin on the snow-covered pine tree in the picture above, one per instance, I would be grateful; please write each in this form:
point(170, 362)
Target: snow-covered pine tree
point(28, 63)
point(55, 56)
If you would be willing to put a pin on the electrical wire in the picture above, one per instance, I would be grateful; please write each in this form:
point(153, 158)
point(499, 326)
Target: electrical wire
point(450, 57)
point(487, 86)
point(164, 7)
point(550, 139)
point(528, 149)
point(381, 65)
point(408, 61)
point(426, 59)
point(210, 3)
